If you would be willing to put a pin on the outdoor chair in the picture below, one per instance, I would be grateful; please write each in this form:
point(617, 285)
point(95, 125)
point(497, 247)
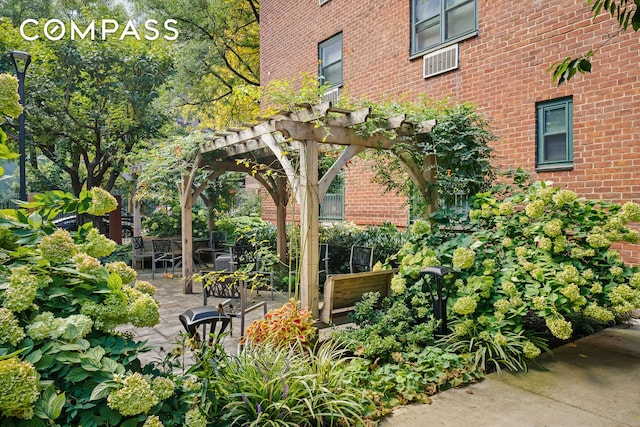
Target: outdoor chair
point(138, 252)
point(203, 316)
point(244, 257)
point(361, 259)
point(222, 284)
point(203, 256)
point(164, 252)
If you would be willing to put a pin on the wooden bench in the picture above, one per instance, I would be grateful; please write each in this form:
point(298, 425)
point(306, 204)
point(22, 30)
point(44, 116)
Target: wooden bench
point(343, 291)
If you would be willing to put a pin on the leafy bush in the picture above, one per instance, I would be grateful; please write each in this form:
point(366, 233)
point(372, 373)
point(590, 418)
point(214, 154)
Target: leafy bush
point(537, 264)
point(166, 222)
point(60, 307)
point(252, 229)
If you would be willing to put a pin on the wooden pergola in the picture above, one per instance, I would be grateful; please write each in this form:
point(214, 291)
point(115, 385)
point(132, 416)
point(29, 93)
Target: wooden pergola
point(282, 154)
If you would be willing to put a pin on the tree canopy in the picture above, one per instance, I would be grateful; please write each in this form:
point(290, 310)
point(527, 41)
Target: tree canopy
point(218, 73)
point(89, 103)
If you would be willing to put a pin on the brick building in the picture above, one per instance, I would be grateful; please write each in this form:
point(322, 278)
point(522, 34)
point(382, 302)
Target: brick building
point(584, 135)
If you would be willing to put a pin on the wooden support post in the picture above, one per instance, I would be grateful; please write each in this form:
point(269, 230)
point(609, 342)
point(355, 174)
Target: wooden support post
point(309, 252)
point(186, 201)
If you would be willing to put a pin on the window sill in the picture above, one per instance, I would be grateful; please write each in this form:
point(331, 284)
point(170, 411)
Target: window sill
point(440, 46)
point(554, 168)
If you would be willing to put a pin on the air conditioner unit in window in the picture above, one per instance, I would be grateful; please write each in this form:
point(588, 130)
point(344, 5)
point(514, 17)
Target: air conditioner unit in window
point(323, 2)
point(440, 61)
point(332, 96)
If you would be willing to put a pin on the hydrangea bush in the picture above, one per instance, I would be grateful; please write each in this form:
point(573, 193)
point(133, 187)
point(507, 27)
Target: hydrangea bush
point(61, 360)
point(536, 264)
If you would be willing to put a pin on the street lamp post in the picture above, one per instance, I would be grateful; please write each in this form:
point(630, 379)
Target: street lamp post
point(21, 61)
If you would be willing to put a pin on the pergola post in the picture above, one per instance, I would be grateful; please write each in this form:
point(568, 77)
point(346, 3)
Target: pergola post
point(186, 201)
point(308, 192)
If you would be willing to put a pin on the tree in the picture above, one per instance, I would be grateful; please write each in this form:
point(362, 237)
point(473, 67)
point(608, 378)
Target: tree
point(90, 102)
point(626, 12)
point(218, 75)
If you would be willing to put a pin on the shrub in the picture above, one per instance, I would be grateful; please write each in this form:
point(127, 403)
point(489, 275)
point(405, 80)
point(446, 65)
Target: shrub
point(60, 306)
point(166, 222)
point(537, 263)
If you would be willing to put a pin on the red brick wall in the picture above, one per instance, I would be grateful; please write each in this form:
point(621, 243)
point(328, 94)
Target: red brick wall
point(365, 202)
point(502, 71)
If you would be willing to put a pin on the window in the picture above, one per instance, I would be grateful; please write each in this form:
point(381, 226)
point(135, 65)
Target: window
point(434, 22)
point(330, 60)
point(554, 134)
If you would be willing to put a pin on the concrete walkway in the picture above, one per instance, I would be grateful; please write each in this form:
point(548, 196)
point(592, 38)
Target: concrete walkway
point(594, 381)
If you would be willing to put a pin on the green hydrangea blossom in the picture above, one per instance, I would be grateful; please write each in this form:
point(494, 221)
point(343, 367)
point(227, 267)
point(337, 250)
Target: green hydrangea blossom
point(10, 330)
point(111, 313)
point(463, 258)
point(75, 327)
point(465, 305)
point(192, 385)
point(597, 240)
point(552, 228)
point(463, 329)
point(45, 326)
point(569, 274)
point(144, 287)
point(102, 202)
point(195, 418)
point(86, 264)
point(530, 350)
point(507, 242)
point(153, 421)
point(58, 247)
point(502, 306)
point(21, 293)
point(506, 208)
point(398, 284)
point(163, 387)
point(500, 339)
point(545, 244)
point(599, 313)
point(559, 244)
point(421, 227)
point(539, 303)
point(624, 298)
point(596, 288)
point(134, 397)
point(616, 271)
point(98, 245)
point(630, 212)
point(560, 328)
point(534, 209)
point(144, 311)
point(19, 388)
point(564, 197)
point(122, 269)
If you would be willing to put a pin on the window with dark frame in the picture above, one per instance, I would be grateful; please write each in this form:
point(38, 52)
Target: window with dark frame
point(435, 22)
point(330, 61)
point(554, 127)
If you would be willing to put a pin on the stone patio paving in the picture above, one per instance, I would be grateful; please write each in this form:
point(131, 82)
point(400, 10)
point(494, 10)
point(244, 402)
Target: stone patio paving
point(164, 336)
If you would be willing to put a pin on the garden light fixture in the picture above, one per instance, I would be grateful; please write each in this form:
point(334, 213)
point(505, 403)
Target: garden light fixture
point(21, 61)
